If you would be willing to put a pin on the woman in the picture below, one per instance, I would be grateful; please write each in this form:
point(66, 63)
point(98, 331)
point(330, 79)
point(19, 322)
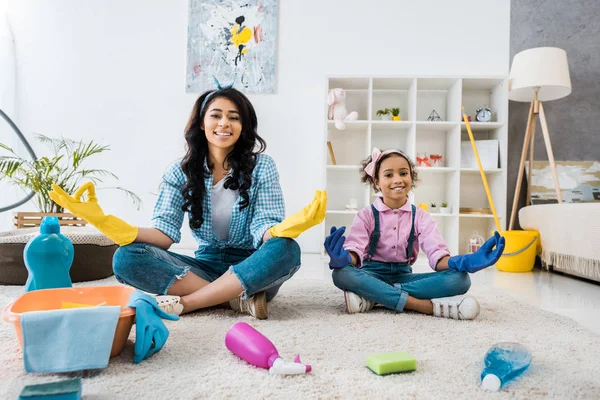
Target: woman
point(234, 202)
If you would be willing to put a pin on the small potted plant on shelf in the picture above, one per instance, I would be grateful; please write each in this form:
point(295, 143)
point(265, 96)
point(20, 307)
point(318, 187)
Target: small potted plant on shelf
point(385, 114)
point(433, 208)
point(66, 167)
point(396, 114)
point(444, 209)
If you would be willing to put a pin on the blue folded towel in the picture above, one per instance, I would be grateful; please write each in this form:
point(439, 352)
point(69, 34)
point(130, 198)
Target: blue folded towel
point(150, 332)
point(69, 339)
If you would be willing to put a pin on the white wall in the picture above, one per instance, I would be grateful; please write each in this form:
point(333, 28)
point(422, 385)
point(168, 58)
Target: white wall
point(114, 71)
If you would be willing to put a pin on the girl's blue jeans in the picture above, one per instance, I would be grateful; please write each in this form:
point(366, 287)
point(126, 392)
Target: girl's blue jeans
point(154, 270)
point(389, 284)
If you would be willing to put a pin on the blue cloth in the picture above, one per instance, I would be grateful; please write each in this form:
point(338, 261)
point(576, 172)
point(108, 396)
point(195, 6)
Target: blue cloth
point(151, 334)
point(154, 270)
point(482, 258)
point(247, 227)
point(68, 340)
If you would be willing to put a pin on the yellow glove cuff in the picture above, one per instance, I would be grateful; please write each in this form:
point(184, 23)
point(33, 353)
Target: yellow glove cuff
point(118, 230)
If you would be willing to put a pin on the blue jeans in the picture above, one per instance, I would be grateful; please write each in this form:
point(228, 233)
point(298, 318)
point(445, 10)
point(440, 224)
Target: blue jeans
point(154, 270)
point(389, 284)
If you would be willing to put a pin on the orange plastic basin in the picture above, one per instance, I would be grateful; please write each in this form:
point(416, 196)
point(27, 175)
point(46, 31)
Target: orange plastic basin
point(52, 299)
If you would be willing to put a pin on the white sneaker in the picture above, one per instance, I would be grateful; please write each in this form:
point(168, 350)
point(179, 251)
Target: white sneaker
point(456, 307)
point(170, 304)
point(356, 304)
point(255, 305)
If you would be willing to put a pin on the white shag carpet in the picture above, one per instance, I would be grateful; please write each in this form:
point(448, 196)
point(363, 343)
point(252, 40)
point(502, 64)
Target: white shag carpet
point(307, 317)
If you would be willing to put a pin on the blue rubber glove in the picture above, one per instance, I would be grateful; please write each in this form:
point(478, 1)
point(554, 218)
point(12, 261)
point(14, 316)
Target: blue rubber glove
point(334, 244)
point(150, 332)
point(482, 258)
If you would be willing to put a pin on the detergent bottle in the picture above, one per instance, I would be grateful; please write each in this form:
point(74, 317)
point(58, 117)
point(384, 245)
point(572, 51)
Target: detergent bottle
point(503, 363)
point(252, 346)
point(48, 258)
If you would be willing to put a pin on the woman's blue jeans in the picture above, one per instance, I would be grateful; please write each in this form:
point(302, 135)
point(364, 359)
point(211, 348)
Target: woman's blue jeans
point(154, 270)
point(389, 284)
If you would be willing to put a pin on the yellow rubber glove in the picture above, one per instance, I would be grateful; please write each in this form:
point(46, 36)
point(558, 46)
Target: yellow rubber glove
point(114, 228)
point(309, 216)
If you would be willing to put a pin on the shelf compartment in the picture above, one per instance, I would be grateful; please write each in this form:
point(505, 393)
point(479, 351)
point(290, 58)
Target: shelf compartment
point(441, 142)
point(342, 185)
point(484, 92)
point(439, 94)
point(391, 93)
point(472, 192)
point(349, 146)
point(392, 135)
point(467, 226)
point(438, 188)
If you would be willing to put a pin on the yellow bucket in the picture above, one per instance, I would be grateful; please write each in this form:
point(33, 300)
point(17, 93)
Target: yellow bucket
point(519, 252)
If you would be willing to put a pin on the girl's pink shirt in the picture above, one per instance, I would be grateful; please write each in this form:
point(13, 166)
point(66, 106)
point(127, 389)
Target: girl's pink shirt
point(394, 226)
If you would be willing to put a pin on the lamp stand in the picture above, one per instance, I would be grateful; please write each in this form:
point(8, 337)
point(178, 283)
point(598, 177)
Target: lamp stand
point(536, 109)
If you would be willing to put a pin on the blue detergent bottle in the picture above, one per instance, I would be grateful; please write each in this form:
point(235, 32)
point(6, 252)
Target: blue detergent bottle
point(503, 363)
point(48, 258)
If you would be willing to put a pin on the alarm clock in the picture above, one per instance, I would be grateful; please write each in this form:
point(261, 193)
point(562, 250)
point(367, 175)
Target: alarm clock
point(483, 114)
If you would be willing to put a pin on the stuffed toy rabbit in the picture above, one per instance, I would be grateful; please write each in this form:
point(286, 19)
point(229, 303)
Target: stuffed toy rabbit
point(336, 99)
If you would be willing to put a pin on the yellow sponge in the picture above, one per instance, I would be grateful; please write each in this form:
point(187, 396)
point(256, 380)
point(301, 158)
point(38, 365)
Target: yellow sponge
point(391, 363)
point(66, 304)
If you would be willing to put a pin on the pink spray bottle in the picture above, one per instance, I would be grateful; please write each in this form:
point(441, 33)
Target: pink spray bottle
point(252, 346)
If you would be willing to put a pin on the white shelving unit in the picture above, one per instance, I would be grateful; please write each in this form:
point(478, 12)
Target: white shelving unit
point(417, 97)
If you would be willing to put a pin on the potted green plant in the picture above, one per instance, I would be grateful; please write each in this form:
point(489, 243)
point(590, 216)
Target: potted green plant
point(444, 209)
point(396, 114)
point(65, 167)
point(385, 114)
point(433, 208)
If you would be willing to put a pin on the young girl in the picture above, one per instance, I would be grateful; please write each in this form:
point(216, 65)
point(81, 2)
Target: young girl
point(235, 206)
point(373, 266)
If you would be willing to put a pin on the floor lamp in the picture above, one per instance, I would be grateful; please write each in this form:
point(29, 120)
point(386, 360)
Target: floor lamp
point(537, 75)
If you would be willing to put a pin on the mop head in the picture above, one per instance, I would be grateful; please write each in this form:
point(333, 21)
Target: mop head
point(391, 363)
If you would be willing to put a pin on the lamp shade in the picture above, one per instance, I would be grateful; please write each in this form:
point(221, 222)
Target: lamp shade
point(545, 68)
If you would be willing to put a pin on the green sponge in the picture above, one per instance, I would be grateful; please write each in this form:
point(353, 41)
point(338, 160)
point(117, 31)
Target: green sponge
point(391, 363)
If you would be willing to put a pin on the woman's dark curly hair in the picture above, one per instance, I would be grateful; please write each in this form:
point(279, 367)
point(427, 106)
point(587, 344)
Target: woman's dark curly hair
point(241, 160)
point(371, 180)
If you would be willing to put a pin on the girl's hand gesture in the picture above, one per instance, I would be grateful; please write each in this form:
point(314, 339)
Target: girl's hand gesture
point(311, 215)
point(482, 258)
point(334, 244)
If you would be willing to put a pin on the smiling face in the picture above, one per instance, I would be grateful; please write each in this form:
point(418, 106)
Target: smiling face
point(222, 124)
point(394, 180)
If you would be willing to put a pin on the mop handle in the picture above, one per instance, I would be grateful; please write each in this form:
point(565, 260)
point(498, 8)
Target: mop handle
point(483, 178)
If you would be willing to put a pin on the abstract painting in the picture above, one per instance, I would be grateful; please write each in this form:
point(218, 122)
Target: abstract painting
point(579, 181)
point(233, 41)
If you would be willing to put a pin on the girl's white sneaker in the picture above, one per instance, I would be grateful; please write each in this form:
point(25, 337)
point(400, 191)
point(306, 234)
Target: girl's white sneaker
point(456, 307)
point(356, 304)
